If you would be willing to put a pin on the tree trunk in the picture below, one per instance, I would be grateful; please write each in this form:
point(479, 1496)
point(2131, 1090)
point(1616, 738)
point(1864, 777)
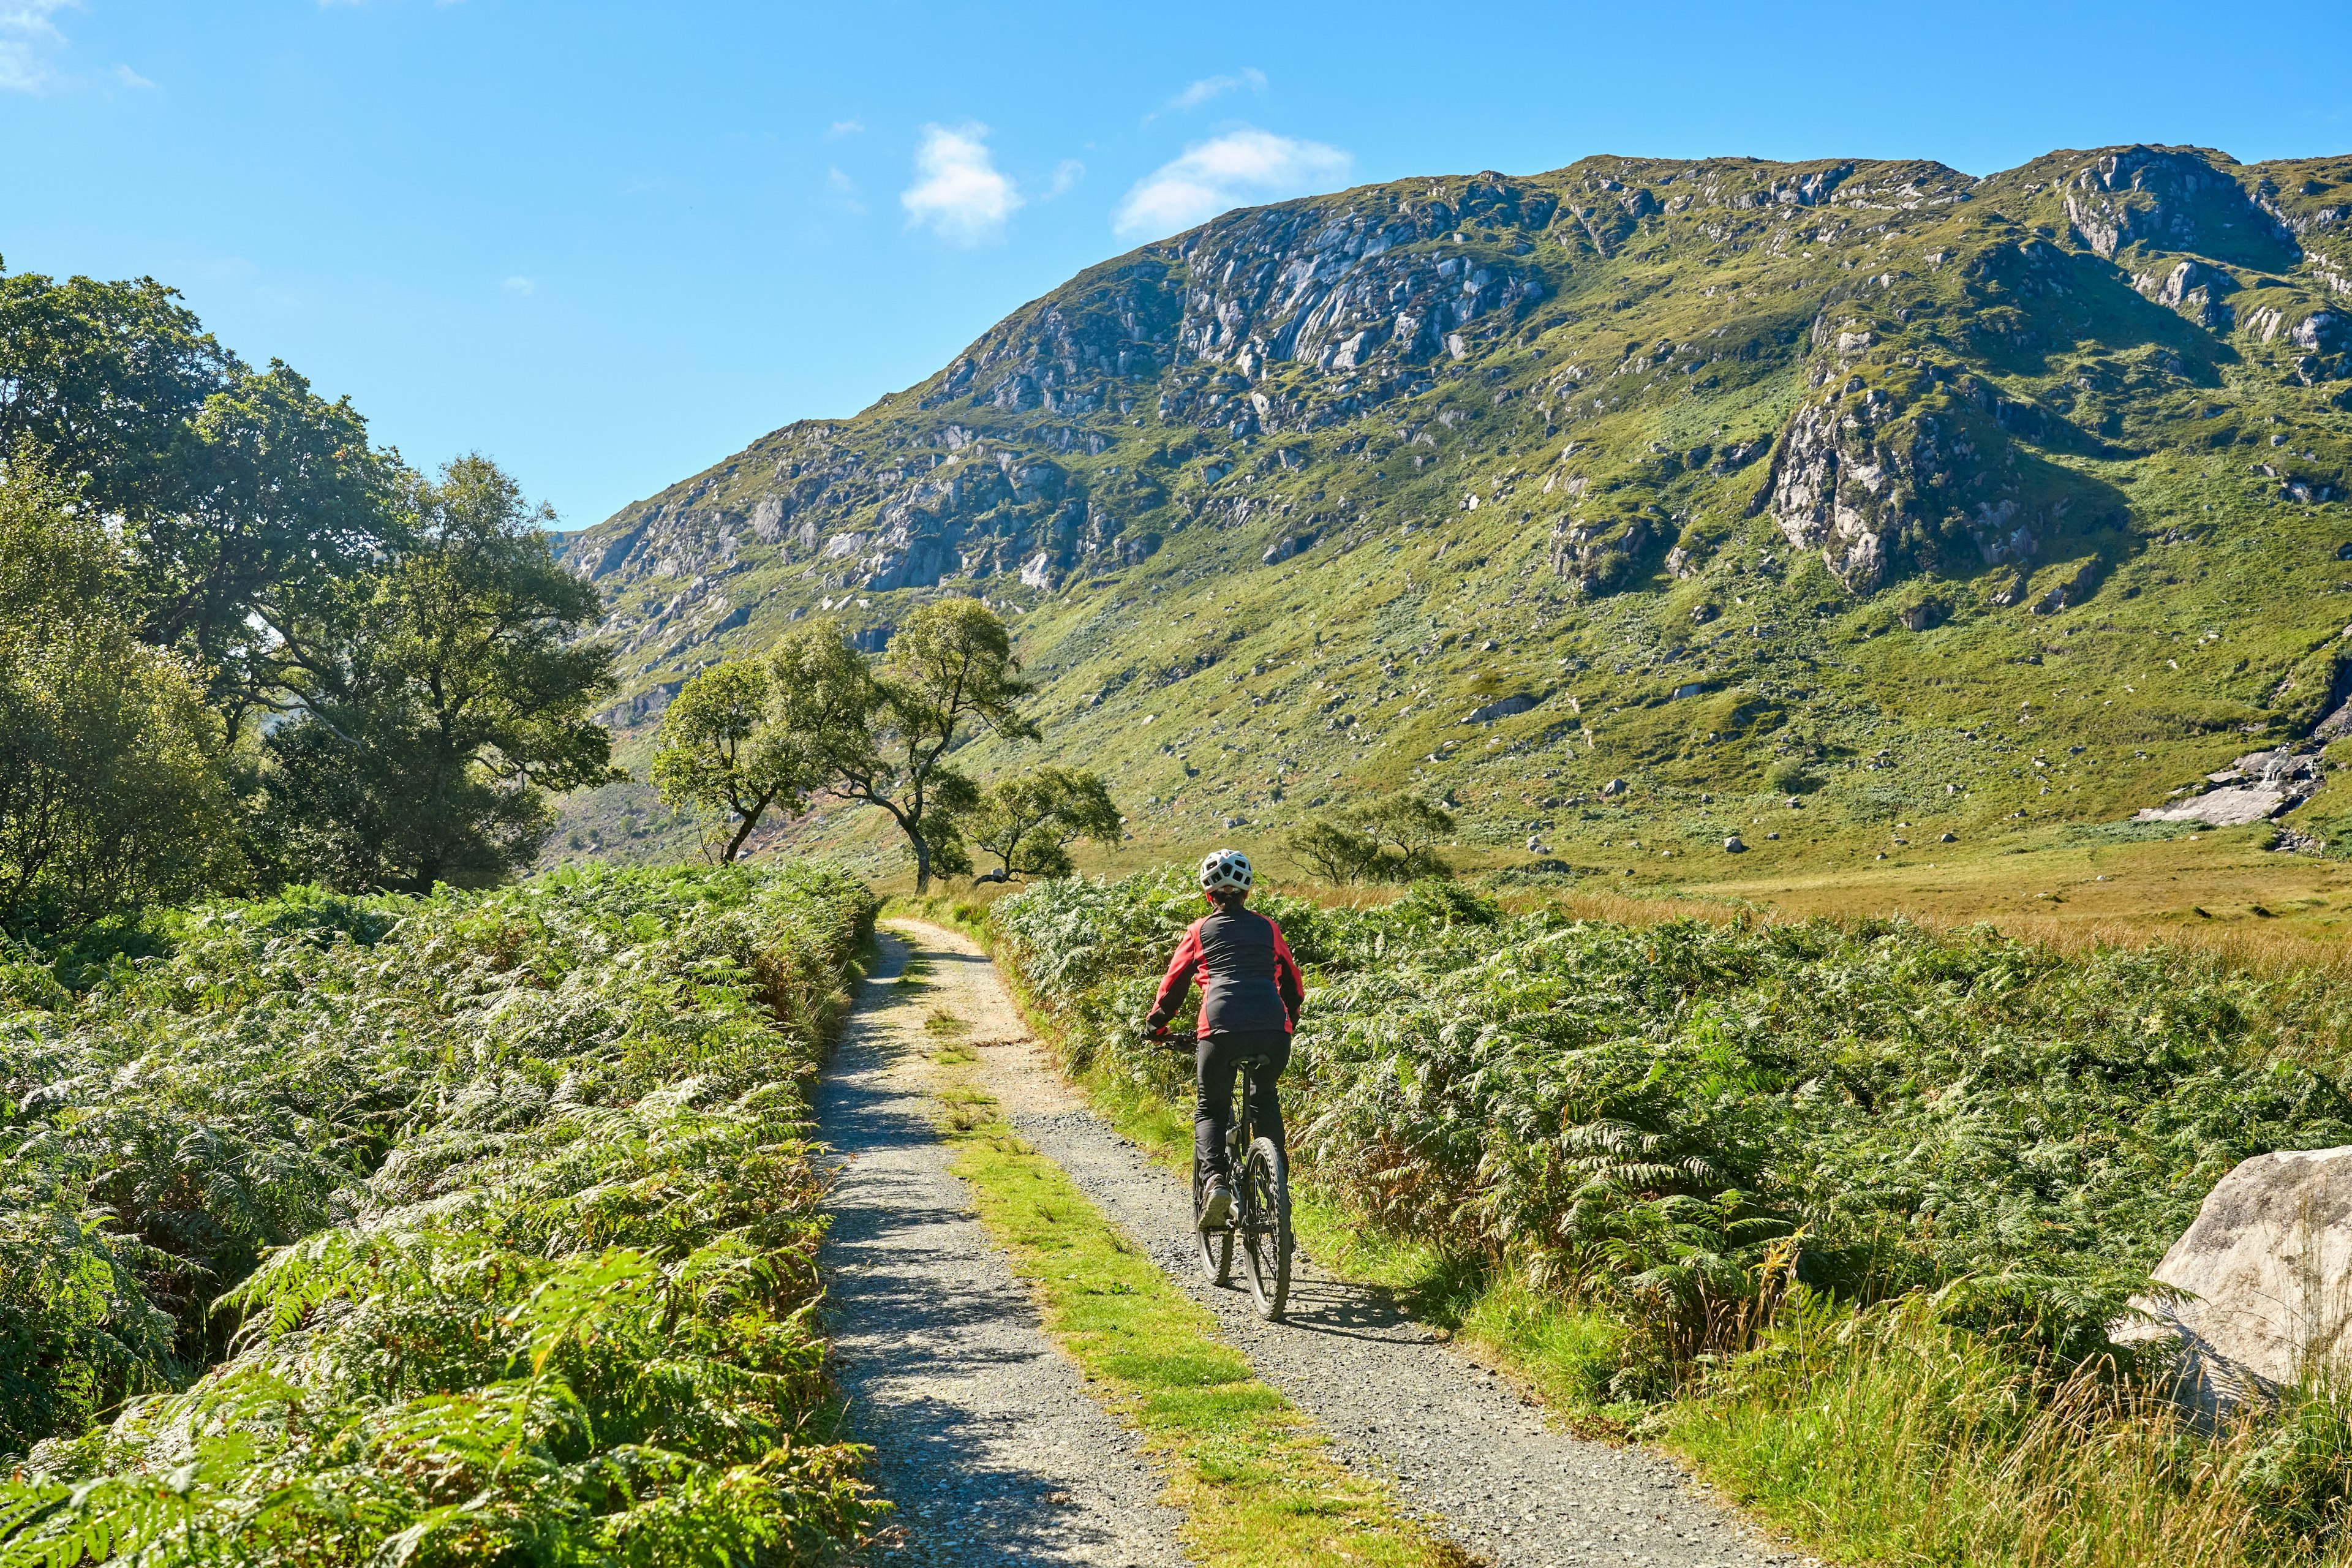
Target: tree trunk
point(750, 821)
point(922, 861)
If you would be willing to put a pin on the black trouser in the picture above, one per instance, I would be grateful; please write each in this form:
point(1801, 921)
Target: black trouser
point(1213, 1089)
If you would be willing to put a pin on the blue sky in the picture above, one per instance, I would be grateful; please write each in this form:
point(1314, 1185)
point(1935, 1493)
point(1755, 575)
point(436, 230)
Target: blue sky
point(609, 244)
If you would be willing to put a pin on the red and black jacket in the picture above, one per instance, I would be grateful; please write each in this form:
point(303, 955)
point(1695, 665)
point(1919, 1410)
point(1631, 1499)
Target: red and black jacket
point(1248, 978)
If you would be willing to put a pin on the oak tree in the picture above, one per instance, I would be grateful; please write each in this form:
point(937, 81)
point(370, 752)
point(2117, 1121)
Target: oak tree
point(1029, 821)
point(883, 736)
point(439, 696)
point(716, 750)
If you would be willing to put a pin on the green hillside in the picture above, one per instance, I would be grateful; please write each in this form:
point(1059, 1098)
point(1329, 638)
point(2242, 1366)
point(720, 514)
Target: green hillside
point(1625, 504)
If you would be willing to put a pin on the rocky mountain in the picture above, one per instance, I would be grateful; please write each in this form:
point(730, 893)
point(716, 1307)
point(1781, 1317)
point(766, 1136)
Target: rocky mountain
point(1613, 498)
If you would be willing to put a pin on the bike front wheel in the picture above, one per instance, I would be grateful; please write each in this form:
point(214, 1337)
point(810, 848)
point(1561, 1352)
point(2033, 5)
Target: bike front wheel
point(1216, 1247)
point(1265, 1224)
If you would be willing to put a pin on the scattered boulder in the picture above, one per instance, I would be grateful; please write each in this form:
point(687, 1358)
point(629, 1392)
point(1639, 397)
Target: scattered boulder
point(2262, 1270)
point(1732, 846)
point(1501, 708)
point(1614, 786)
point(1284, 547)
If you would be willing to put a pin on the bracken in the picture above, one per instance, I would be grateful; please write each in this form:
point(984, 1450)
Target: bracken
point(474, 1226)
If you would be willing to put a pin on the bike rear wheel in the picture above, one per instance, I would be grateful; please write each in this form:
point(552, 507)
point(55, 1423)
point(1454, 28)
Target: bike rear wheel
point(1216, 1247)
point(1265, 1224)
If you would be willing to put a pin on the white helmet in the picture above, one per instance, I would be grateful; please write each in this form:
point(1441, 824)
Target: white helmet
point(1225, 871)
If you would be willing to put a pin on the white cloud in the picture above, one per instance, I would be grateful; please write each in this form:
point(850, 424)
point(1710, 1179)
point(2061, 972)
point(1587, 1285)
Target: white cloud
point(1067, 174)
point(843, 189)
point(28, 36)
point(959, 193)
point(522, 285)
point(1225, 172)
point(840, 128)
point(1210, 86)
point(129, 78)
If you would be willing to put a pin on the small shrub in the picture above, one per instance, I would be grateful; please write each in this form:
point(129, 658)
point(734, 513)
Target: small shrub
point(1393, 840)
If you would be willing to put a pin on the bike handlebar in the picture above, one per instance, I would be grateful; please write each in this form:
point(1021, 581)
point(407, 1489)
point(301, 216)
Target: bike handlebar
point(1189, 1043)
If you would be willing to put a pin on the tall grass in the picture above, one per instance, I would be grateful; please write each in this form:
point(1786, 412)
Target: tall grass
point(1903, 1439)
point(474, 1227)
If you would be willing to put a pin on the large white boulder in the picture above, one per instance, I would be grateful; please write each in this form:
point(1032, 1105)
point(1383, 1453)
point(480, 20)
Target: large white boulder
point(2267, 1271)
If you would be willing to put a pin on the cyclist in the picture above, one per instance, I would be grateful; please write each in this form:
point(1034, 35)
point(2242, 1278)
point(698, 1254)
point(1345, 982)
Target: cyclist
point(1250, 995)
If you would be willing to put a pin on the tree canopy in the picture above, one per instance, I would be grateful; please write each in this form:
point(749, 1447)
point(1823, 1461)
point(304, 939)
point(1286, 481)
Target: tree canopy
point(949, 673)
point(1391, 839)
point(832, 722)
point(246, 643)
point(108, 791)
point(1029, 821)
point(717, 752)
point(436, 697)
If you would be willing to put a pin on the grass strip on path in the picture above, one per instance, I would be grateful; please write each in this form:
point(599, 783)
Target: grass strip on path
point(1255, 1478)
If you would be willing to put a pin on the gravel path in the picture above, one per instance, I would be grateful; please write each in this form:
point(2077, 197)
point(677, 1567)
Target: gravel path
point(1456, 1441)
point(985, 1434)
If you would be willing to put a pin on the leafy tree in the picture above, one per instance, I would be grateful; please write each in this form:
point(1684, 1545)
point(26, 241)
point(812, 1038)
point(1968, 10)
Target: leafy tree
point(288, 503)
point(1392, 839)
point(438, 697)
point(717, 752)
point(883, 736)
point(108, 793)
point(1030, 820)
point(245, 496)
point(106, 380)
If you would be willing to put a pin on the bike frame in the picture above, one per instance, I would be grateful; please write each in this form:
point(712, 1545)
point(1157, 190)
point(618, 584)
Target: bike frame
point(1265, 1234)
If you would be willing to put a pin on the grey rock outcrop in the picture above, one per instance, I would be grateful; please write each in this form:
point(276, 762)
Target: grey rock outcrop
point(1853, 473)
point(2266, 1274)
point(2172, 199)
point(2255, 788)
point(2194, 289)
point(1286, 546)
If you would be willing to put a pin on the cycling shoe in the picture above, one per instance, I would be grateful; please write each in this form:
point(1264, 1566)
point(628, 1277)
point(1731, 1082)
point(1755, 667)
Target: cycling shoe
point(1217, 1207)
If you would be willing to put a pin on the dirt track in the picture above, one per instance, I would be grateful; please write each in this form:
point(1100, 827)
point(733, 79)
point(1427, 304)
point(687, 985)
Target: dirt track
point(1457, 1443)
point(985, 1437)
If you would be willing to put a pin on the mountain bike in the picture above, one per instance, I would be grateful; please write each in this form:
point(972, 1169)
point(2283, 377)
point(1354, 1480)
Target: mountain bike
point(1260, 1219)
